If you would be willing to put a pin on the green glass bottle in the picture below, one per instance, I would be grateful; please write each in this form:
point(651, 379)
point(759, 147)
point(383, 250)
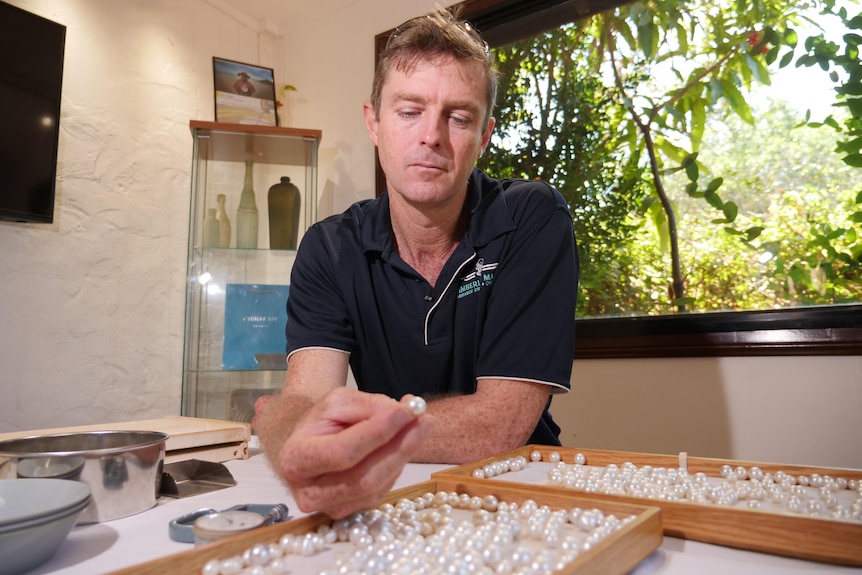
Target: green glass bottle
point(283, 206)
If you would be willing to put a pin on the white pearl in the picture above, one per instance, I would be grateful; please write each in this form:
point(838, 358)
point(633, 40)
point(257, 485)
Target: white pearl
point(479, 473)
point(580, 459)
point(490, 503)
point(554, 457)
point(212, 567)
point(535, 455)
point(231, 566)
point(417, 405)
point(256, 555)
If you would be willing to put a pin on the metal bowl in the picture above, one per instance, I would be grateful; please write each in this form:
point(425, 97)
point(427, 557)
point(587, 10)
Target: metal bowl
point(123, 469)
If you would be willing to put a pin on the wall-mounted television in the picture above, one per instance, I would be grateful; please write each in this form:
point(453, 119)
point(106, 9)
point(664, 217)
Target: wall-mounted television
point(31, 78)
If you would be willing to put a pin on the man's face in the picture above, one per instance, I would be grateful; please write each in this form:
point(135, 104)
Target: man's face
point(430, 130)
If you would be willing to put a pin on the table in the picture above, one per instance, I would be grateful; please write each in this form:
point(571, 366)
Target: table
point(105, 547)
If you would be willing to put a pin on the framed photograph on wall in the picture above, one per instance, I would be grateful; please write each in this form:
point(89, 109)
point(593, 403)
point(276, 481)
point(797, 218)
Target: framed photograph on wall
point(244, 94)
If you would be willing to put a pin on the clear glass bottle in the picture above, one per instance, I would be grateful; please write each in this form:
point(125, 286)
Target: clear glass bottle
point(210, 239)
point(247, 215)
point(223, 222)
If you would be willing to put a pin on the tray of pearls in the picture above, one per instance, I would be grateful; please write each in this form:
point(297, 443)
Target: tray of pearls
point(804, 512)
point(440, 527)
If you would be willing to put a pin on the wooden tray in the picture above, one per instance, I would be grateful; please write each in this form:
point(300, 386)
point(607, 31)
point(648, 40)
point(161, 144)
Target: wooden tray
point(616, 554)
point(799, 536)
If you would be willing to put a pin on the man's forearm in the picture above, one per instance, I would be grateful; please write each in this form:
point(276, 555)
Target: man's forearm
point(311, 374)
point(277, 420)
point(499, 417)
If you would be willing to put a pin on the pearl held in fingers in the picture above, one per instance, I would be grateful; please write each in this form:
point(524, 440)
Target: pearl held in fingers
point(417, 405)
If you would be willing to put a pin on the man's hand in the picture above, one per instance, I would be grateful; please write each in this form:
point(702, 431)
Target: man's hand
point(345, 454)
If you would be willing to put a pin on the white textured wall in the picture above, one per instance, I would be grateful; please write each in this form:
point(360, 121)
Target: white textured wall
point(91, 307)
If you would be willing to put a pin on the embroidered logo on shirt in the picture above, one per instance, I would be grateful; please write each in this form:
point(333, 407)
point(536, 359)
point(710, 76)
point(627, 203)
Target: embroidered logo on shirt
point(482, 275)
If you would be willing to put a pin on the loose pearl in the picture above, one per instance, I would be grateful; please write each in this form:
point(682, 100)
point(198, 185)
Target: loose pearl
point(554, 457)
point(417, 405)
point(231, 566)
point(535, 455)
point(580, 459)
point(256, 555)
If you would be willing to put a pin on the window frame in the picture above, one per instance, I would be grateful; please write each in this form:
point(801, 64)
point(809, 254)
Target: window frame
point(816, 330)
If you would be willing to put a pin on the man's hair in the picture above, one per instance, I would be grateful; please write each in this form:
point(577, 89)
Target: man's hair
point(436, 35)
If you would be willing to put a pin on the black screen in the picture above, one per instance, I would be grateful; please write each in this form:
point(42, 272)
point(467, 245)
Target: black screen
point(31, 74)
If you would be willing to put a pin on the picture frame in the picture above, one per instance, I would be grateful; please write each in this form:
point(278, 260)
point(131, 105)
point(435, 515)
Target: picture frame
point(244, 93)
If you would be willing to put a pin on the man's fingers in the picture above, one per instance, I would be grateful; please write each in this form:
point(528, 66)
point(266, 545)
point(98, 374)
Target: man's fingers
point(308, 454)
point(362, 486)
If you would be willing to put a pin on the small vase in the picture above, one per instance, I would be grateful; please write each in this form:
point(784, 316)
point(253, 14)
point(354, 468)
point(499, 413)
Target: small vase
point(223, 223)
point(246, 214)
point(283, 203)
point(210, 229)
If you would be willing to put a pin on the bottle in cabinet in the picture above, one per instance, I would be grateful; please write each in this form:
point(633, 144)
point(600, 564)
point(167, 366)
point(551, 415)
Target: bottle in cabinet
point(223, 222)
point(211, 229)
point(247, 214)
point(283, 201)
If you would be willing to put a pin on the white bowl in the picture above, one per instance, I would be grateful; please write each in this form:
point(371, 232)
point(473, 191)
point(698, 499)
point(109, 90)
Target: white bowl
point(25, 499)
point(28, 543)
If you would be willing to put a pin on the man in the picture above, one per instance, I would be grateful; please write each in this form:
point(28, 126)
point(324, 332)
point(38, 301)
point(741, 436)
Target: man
point(451, 286)
point(243, 86)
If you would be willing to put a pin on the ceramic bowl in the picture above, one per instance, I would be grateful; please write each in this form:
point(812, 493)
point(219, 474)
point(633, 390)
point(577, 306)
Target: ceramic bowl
point(36, 516)
point(25, 500)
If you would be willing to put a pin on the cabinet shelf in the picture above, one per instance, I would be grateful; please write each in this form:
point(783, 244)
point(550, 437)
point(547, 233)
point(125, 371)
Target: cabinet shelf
point(219, 154)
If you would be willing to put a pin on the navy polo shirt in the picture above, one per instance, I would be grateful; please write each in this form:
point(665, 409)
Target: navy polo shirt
point(503, 306)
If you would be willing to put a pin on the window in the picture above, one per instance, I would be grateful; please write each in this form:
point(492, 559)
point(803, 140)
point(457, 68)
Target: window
point(804, 330)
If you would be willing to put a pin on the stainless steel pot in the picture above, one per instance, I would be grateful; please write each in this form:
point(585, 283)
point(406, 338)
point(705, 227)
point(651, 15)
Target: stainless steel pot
point(122, 468)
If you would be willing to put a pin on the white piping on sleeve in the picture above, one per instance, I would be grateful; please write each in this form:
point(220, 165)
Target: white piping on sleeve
point(317, 347)
point(556, 388)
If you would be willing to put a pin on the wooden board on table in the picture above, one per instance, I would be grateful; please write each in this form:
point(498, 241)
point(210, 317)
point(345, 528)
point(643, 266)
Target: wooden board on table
point(185, 432)
point(763, 530)
point(616, 554)
point(214, 453)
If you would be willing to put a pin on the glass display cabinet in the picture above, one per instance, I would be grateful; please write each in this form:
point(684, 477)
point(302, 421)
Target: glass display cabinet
point(253, 194)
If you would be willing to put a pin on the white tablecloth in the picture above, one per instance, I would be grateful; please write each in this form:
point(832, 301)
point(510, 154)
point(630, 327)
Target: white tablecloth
point(105, 547)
